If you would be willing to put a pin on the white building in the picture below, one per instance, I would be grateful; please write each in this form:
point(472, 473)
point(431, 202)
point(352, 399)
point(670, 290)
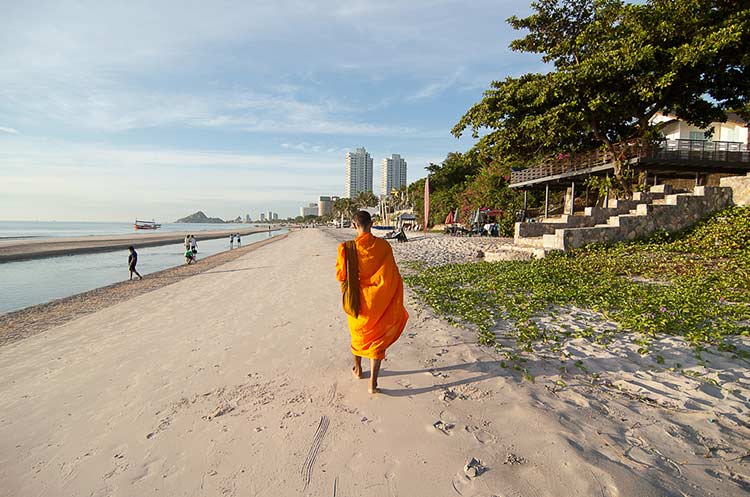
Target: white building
point(394, 174)
point(262, 216)
point(733, 130)
point(310, 210)
point(358, 172)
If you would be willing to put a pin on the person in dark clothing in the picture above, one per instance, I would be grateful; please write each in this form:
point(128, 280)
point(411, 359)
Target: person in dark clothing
point(132, 261)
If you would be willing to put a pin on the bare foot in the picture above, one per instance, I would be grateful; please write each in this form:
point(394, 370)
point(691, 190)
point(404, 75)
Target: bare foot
point(373, 390)
point(357, 373)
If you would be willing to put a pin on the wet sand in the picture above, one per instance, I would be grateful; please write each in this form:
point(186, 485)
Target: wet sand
point(29, 321)
point(24, 249)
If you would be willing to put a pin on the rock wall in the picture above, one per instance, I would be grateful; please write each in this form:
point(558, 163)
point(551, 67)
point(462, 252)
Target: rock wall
point(740, 186)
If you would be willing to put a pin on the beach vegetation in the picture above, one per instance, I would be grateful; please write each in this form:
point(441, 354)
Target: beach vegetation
point(694, 284)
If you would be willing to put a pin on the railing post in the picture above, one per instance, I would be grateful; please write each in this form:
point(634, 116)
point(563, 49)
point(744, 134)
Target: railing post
point(525, 199)
point(572, 197)
point(546, 201)
point(606, 195)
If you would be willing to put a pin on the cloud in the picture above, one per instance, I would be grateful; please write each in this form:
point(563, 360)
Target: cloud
point(437, 87)
point(10, 131)
point(49, 179)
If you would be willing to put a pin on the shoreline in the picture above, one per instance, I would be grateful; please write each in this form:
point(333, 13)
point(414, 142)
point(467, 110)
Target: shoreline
point(37, 248)
point(35, 319)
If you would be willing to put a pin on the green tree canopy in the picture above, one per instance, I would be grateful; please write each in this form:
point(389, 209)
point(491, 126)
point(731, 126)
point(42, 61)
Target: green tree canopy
point(615, 66)
point(365, 199)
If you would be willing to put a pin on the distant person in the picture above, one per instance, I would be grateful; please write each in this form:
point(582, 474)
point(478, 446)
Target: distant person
point(193, 247)
point(187, 242)
point(189, 256)
point(231, 241)
point(132, 261)
point(373, 295)
point(239, 240)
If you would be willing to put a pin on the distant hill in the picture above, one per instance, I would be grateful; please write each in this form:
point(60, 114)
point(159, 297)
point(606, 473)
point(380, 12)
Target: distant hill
point(199, 217)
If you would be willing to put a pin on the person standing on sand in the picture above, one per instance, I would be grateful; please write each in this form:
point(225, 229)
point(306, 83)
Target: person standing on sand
point(193, 247)
point(239, 241)
point(187, 242)
point(231, 241)
point(132, 261)
point(381, 316)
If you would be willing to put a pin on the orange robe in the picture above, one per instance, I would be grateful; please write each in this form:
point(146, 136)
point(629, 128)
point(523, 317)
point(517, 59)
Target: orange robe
point(382, 316)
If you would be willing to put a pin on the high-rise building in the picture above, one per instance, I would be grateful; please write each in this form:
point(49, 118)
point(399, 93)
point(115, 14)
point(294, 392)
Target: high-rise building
point(358, 172)
point(394, 174)
point(310, 210)
point(325, 205)
point(262, 216)
point(275, 216)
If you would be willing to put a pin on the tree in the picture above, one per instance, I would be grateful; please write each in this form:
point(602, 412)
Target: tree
point(364, 200)
point(344, 206)
point(615, 66)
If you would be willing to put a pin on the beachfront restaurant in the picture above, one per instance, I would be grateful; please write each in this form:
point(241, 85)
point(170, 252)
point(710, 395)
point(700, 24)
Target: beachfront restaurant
point(684, 158)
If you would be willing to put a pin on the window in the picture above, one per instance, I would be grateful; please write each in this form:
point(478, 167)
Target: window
point(697, 135)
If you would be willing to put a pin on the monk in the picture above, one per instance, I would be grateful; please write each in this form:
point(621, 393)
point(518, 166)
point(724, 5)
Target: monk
point(382, 316)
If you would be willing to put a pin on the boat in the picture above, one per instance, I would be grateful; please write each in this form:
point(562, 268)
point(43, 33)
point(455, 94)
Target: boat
point(146, 225)
point(379, 227)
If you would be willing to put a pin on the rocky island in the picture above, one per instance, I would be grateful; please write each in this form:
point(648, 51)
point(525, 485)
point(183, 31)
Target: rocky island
point(200, 217)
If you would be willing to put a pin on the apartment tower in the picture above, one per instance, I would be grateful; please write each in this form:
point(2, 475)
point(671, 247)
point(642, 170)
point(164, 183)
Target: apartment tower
point(358, 172)
point(394, 174)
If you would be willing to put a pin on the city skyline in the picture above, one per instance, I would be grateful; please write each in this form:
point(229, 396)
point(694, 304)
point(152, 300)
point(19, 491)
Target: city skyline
point(115, 111)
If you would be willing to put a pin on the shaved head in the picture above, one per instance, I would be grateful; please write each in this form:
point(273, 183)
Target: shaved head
point(363, 219)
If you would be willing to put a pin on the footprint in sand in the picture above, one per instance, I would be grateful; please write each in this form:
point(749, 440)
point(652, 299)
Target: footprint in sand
point(480, 435)
point(445, 428)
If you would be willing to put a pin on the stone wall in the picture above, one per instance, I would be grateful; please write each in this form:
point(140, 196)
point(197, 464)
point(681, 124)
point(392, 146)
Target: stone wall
point(675, 212)
point(740, 186)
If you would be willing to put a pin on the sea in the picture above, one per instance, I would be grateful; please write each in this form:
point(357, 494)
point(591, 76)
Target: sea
point(27, 283)
point(53, 229)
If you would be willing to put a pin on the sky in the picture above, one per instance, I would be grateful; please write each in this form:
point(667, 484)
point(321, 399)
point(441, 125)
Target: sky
point(156, 109)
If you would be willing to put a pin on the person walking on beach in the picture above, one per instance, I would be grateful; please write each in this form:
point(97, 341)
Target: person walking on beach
point(231, 241)
point(132, 261)
point(187, 242)
point(239, 241)
point(373, 295)
point(193, 247)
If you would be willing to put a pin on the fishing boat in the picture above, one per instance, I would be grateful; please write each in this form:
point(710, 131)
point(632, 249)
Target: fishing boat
point(146, 225)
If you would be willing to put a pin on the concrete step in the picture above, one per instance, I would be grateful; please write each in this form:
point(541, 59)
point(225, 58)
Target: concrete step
point(530, 241)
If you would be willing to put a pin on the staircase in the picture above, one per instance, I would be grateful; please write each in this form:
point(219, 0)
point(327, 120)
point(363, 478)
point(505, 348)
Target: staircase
point(647, 212)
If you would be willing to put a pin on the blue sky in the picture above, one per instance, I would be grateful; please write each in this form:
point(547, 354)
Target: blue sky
point(116, 110)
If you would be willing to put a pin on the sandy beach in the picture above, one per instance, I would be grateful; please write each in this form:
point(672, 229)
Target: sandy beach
point(235, 382)
point(30, 248)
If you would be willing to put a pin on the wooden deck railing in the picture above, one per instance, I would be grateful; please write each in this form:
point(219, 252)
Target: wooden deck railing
point(664, 150)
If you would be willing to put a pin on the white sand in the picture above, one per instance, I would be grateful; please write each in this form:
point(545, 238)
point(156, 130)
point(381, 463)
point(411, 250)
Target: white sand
point(236, 382)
